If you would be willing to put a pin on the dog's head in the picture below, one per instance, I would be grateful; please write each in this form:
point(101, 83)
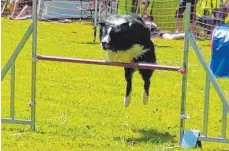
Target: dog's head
point(122, 32)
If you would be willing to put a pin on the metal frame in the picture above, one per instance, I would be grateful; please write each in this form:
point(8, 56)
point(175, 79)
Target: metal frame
point(210, 79)
point(32, 30)
point(189, 40)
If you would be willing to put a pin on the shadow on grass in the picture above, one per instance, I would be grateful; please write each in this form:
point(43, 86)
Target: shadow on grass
point(151, 136)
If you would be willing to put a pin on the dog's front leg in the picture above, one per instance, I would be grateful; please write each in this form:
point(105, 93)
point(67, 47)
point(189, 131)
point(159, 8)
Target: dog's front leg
point(128, 76)
point(146, 75)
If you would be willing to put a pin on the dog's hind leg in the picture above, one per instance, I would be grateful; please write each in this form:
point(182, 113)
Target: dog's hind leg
point(146, 75)
point(128, 76)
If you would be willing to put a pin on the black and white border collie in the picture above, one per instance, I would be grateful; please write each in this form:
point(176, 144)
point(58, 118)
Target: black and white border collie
point(127, 39)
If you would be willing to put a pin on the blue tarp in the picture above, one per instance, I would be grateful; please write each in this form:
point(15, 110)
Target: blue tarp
point(220, 51)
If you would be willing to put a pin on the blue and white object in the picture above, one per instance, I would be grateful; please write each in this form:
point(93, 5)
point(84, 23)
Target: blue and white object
point(190, 139)
point(220, 51)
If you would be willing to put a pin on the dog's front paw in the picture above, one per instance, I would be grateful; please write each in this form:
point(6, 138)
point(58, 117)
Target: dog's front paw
point(145, 97)
point(127, 101)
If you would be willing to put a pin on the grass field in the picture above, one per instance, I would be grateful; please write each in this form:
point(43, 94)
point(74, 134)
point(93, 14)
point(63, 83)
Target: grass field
point(80, 107)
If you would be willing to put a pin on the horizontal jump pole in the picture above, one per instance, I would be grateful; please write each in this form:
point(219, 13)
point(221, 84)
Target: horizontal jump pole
point(107, 63)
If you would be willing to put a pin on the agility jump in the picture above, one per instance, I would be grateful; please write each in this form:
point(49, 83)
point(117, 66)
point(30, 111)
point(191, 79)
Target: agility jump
point(197, 136)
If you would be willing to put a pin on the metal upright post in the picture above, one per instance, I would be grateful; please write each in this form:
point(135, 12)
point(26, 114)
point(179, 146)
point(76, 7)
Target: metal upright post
point(206, 105)
point(100, 8)
point(95, 19)
point(12, 92)
point(224, 122)
point(185, 66)
point(34, 54)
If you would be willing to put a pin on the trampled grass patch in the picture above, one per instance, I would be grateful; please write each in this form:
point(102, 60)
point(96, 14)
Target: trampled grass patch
point(80, 107)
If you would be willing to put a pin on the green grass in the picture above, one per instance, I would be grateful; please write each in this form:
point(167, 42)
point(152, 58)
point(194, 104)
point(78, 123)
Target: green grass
point(80, 107)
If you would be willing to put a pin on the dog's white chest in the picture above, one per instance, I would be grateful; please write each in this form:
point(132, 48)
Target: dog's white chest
point(127, 55)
